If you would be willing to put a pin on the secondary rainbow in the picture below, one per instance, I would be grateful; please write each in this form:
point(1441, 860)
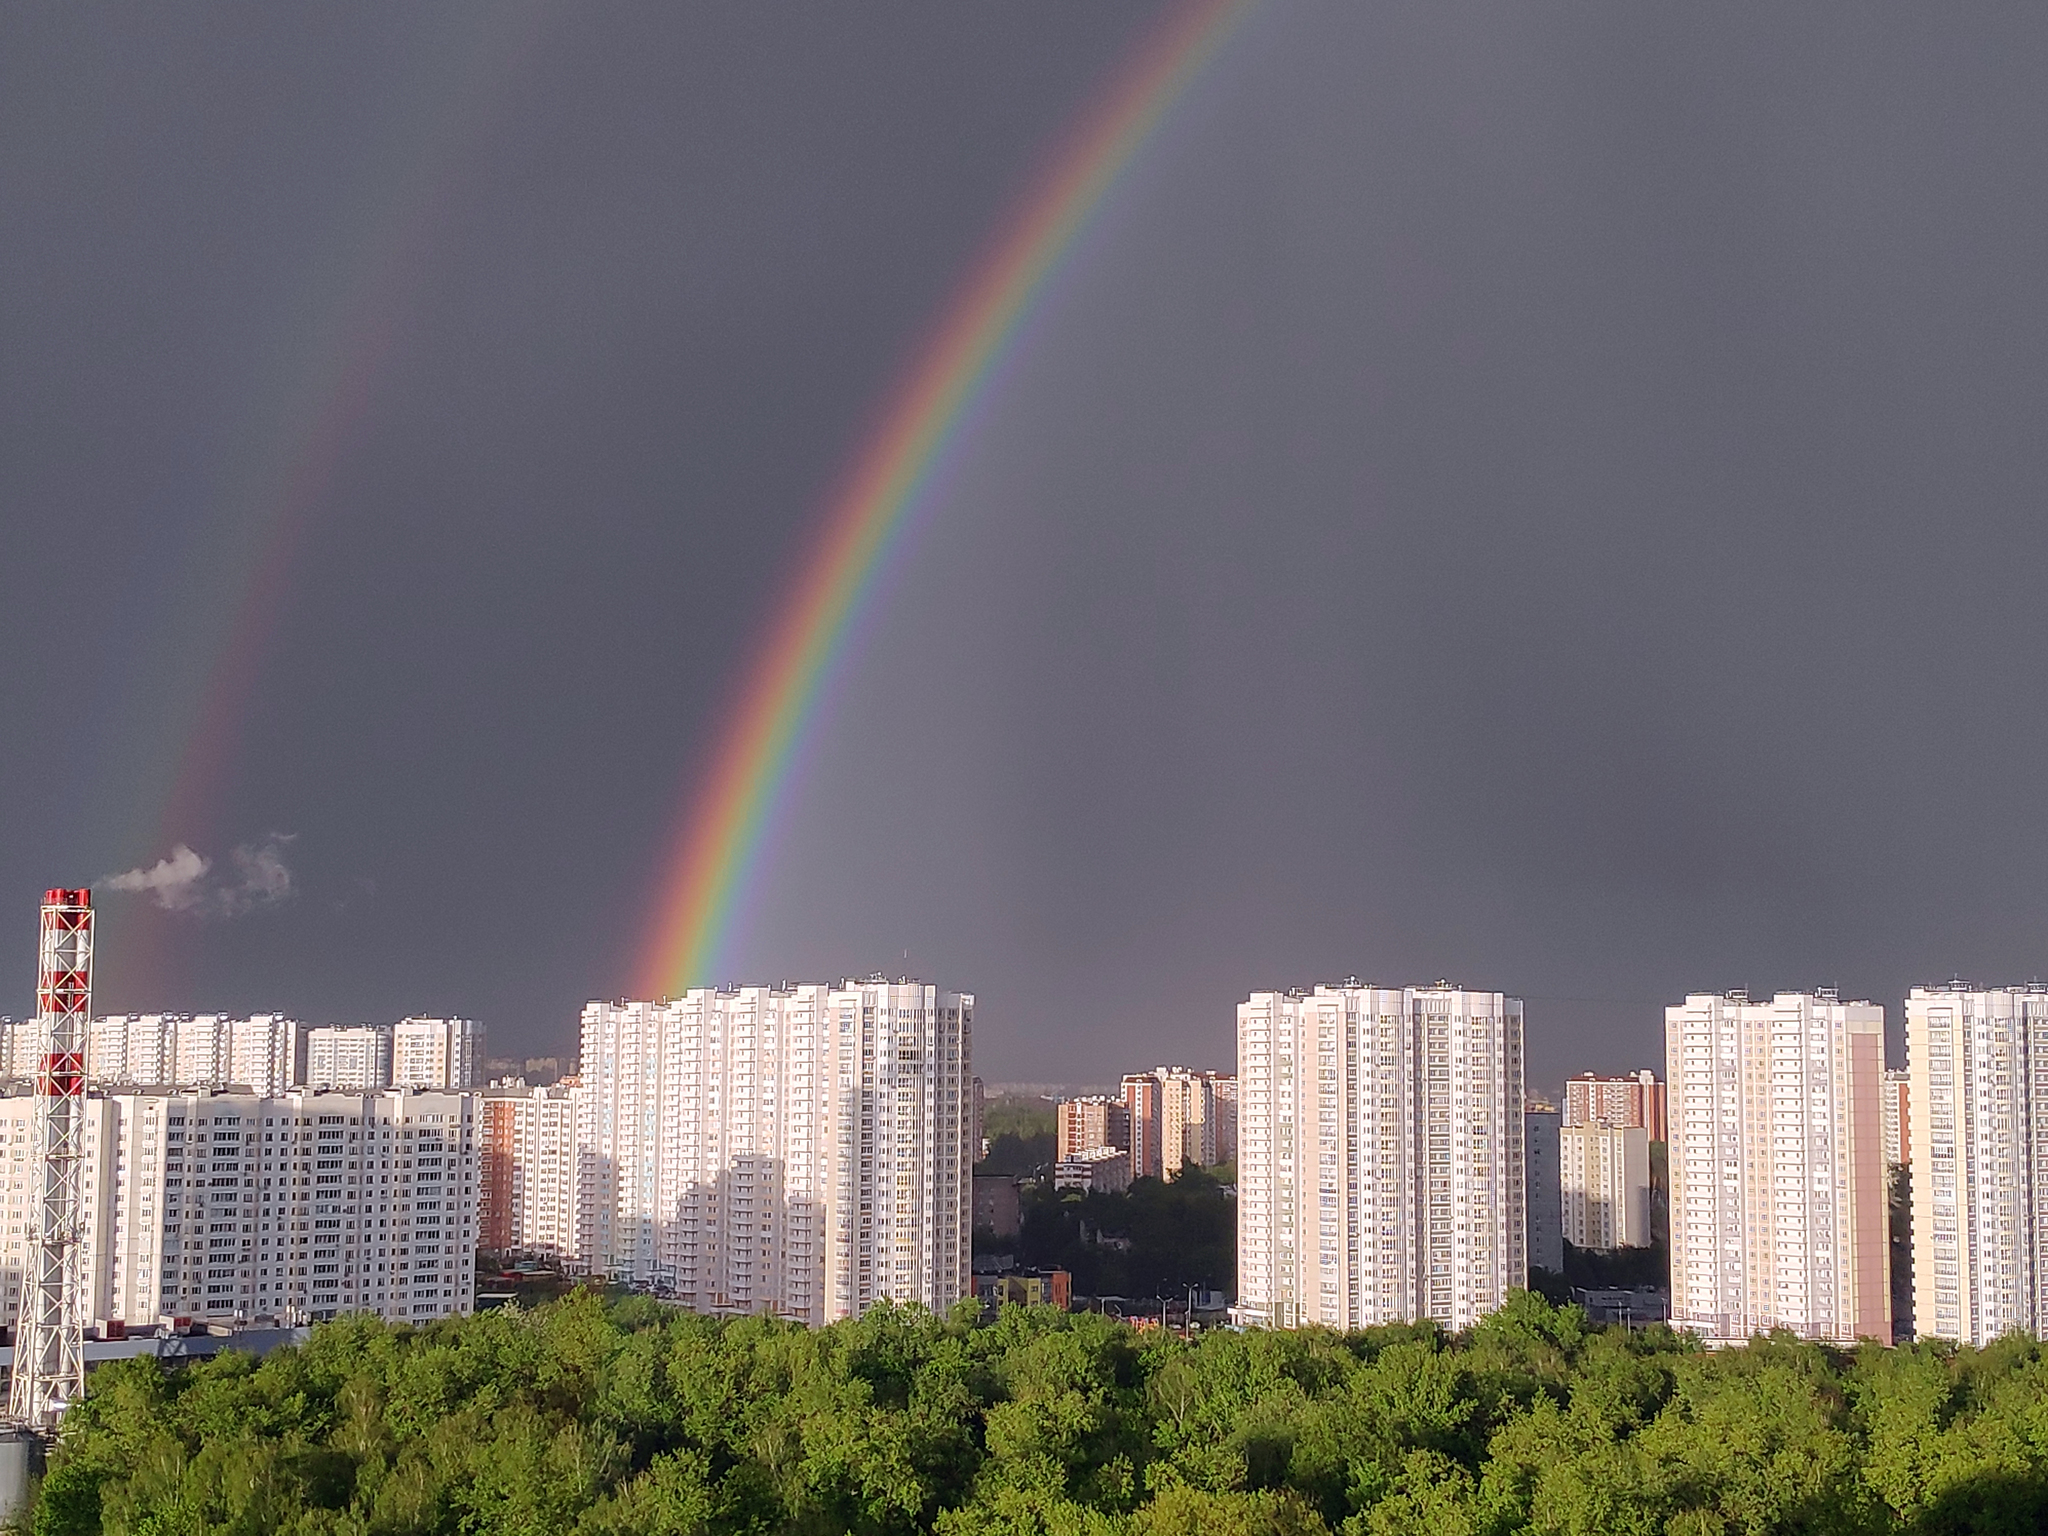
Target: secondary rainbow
point(720, 841)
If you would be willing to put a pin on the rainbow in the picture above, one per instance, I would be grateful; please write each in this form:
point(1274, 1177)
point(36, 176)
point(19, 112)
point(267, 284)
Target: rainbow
point(720, 841)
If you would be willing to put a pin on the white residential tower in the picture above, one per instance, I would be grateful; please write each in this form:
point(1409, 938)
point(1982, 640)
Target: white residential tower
point(1379, 1159)
point(801, 1150)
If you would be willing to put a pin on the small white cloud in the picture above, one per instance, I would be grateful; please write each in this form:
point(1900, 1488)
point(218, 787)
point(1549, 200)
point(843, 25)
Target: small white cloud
point(187, 882)
point(172, 883)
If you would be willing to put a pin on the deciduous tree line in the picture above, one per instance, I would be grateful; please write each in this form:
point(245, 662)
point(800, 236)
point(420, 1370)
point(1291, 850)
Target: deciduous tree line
point(632, 1420)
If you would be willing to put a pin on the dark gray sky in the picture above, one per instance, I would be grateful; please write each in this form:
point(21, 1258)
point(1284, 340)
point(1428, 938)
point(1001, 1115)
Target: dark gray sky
point(1545, 495)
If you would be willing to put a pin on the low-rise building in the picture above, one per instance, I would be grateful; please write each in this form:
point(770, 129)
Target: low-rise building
point(1025, 1288)
point(1094, 1171)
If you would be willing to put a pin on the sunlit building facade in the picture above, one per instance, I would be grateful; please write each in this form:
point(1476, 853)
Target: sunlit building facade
point(801, 1150)
point(1977, 1142)
point(1777, 1166)
point(437, 1053)
point(1604, 1185)
point(1379, 1155)
point(238, 1207)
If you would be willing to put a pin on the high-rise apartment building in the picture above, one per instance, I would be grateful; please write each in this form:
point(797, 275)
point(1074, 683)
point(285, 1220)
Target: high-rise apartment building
point(1095, 1121)
point(234, 1206)
point(1171, 1120)
point(1604, 1185)
point(1977, 1142)
point(437, 1053)
point(1544, 1199)
point(348, 1057)
point(1140, 1092)
point(1223, 1114)
point(1379, 1158)
point(258, 1053)
point(1777, 1166)
point(531, 1172)
point(1898, 1114)
point(1634, 1099)
point(800, 1150)
point(497, 1171)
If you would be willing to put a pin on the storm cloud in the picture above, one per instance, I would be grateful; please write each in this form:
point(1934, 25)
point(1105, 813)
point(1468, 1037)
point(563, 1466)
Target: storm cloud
point(1546, 496)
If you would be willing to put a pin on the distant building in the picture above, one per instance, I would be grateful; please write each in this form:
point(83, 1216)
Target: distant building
point(801, 1150)
point(1094, 1170)
point(1977, 1142)
point(1141, 1112)
point(531, 1172)
point(351, 1057)
point(259, 1052)
point(1629, 1309)
point(1540, 1164)
point(1380, 1153)
point(1605, 1185)
point(1898, 1118)
point(1095, 1121)
point(1778, 1215)
point(1025, 1288)
point(1223, 1113)
point(998, 1205)
point(437, 1053)
point(497, 1171)
point(1635, 1099)
point(1171, 1120)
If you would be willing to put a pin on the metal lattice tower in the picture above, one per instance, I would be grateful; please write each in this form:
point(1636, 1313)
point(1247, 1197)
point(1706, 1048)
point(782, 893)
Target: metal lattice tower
point(49, 1349)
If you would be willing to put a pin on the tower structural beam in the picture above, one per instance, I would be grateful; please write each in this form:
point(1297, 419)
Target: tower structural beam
point(49, 1350)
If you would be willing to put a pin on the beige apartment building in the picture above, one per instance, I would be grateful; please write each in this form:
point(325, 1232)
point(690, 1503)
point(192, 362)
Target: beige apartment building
point(1604, 1185)
point(1777, 1166)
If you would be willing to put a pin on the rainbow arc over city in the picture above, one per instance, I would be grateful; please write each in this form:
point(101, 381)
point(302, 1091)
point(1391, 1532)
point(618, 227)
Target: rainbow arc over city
point(720, 842)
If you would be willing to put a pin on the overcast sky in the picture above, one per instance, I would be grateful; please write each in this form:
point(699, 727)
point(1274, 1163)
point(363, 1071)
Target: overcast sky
point(1548, 496)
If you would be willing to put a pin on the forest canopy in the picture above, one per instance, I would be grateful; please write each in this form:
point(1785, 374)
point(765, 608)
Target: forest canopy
point(631, 1419)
